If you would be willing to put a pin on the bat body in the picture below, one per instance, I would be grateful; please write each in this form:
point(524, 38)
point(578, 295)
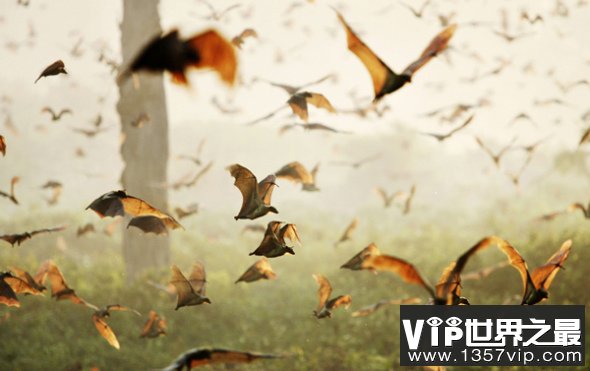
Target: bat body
point(192, 291)
point(326, 305)
point(261, 270)
point(255, 196)
point(299, 101)
point(273, 243)
point(175, 55)
point(56, 116)
point(202, 357)
point(53, 69)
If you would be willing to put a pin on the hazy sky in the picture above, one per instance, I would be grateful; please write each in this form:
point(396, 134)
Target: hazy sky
point(311, 44)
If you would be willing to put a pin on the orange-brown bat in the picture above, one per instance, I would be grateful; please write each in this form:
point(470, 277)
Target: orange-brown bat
point(60, 289)
point(53, 69)
point(11, 196)
point(326, 305)
point(347, 234)
point(191, 291)
point(175, 55)
point(36, 283)
point(202, 357)
point(99, 319)
point(145, 216)
point(356, 262)
point(19, 238)
point(154, 327)
point(7, 294)
point(238, 40)
point(2, 146)
point(273, 243)
point(261, 270)
point(388, 199)
point(56, 116)
point(255, 196)
point(370, 309)
point(297, 173)
point(385, 81)
point(298, 103)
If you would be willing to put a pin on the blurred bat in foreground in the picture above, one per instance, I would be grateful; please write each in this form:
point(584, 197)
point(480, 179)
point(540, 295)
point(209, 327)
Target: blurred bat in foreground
point(175, 55)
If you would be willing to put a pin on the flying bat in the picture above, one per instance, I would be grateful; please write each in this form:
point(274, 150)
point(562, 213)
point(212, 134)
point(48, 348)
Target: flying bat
point(297, 173)
point(60, 289)
point(202, 357)
point(191, 291)
point(7, 294)
point(258, 271)
point(326, 305)
point(182, 212)
point(356, 262)
point(19, 238)
point(175, 55)
point(239, 40)
point(273, 243)
point(154, 327)
point(347, 234)
point(298, 103)
point(11, 196)
point(255, 196)
point(370, 309)
point(418, 13)
point(36, 283)
point(385, 80)
point(56, 116)
point(194, 180)
point(87, 228)
point(496, 157)
point(215, 14)
point(2, 146)
point(443, 137)
point(99, 319)
point(53, 69)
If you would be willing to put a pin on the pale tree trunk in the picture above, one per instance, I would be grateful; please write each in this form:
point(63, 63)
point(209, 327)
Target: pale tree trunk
point(145, 149)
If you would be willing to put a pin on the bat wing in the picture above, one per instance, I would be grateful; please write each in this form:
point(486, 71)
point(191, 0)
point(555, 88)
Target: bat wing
point(149, 223)
point(265, 188)
point(355, 263)
point(289, 231)
point(105, 331)
point(20, 286)
point(324, 291)
point(295, 172)
point(121, 308)
point(183, 287)
point(518, 262)
point(215, 52)
point(543, 276)
point(15, 238)
point(246, 182)
point(198, 278)
point(438, 44)
point(406, 271)
point(344, 300)
point(319, 101)
point(349, 230)
point(7, 295)
point(109, 204)
point(381, 75)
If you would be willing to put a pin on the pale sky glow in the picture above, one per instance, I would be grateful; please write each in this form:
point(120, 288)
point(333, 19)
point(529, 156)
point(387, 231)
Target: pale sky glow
point(312, 44)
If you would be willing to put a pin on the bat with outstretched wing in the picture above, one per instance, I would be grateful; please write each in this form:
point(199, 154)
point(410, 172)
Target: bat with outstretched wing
point(11, 196)
point(202, 357)
point(347, 234)
point(325, 304)
point(255, 196)
point(60, 289)
point(297, 173)
point(175, 55)
point(99, 319)
point(385, 80)
point(191, 291)
point(7, 294)
point(299, 101)
point(261, 270)
point(19, 238)
point(274, 241)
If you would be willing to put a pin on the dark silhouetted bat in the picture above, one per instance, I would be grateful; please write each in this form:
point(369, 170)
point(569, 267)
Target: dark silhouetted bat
point(191, 291)
point(238, 40)
point(19, 238)
point(356, 262)
point(255, 196)
point(525, 16)
point(145, 216)
point(2, 146)
point(273, 243)
point(566, 87)
point(261, 270)
point(170, 53)
point(56, 116)
point(443, 137)
point(326, 305)
point(53, 69)
point(7, 294)
point(99, 319)
point(385, 81)
point(347, 234)
point(202, 357)
point(154, 327)
point(388, 199)
point(296, 172)
point(370, 309)
point(11, 196)
point(60, 289)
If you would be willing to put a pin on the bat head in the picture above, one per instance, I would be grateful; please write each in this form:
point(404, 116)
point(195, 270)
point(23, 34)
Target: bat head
point(289, 250)
point(272, 209)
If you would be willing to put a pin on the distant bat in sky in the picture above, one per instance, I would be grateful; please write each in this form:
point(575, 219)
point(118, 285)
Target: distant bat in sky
point(11, 196)
point(273, 243)
point(347, 234)
point(298, 103)
point(385, 81)
point(99, 319)
point(56, 116)
point(7, 294)
point(191, 291)
point(175, 55)
point(296, 172)
point(202, 357)
point(255, 196)
point(326, 305)
point(53, 69)
point(154, 327)
point(261, 270)
point(238, 40)
point(2, 146)
point(443, 137)
point(19, 238)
